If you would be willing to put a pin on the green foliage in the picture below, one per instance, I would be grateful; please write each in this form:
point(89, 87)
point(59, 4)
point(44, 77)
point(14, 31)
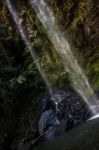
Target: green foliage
point(79, 15)
point(20, 81)
point(93, 69)
point(94, 75)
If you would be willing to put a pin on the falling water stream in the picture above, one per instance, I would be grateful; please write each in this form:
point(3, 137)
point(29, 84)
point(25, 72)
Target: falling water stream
point(62, 46)
point(20, 26)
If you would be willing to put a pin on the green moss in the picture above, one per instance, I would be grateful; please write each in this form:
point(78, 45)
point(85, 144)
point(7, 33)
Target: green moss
point(79, 15)
point(96, 83)
point(93, 73)
point(94, 62)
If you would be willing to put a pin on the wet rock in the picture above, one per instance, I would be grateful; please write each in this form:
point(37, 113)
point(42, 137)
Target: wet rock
point(46, 103)
point(50, 134)
point(84, 137)
point(61, 128)
point(54, 131)
point(47, 119)
point(69, 110)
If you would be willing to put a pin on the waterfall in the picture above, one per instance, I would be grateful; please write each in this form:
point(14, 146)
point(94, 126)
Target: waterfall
point(20, 26)
point(62, 46)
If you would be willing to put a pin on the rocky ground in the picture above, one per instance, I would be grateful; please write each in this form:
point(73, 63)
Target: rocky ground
point(83, 137)
point(54, 120)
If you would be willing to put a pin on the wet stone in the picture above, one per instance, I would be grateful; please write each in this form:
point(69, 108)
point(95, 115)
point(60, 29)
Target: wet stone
point(48, 118)
point(69, 110)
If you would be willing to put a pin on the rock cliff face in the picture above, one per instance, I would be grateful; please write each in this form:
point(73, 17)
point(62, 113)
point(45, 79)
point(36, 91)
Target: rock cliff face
point(80, 18)
point(20, 81)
